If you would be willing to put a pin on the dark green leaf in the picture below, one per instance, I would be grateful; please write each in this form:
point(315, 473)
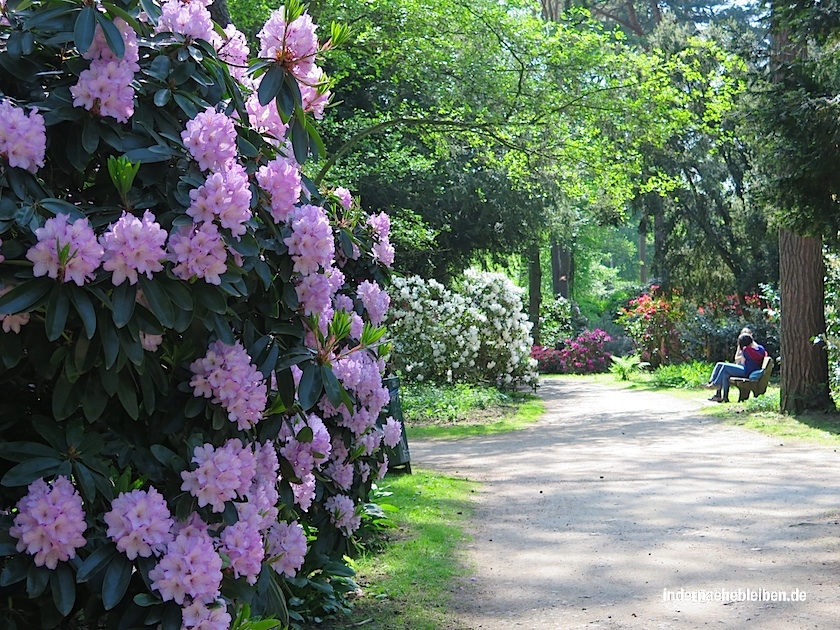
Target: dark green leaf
point(59, 206)
point(63, 587)
point(271, 83)
point(90, 134)
point(84, 307)
point(66, 398)
point(95, 400)
point(15, 570)
point(84, 479)
point(110, 344)
point(186, 105)
point(113, 37)
point(37, 579)
point(300, 141)
point(85, 29)
point(50, 431)
point(211, 298)
point(117, 579)
point(311, 386)
point(123, 301)
point(331, 386)
point(168, 457)
point(95, 562)
point(26, 296)
point(162, 97)
point(222, 328)
point(305, 435)
point(21, 451)
point(159, 301)
point(28, 471)
point(127, 393)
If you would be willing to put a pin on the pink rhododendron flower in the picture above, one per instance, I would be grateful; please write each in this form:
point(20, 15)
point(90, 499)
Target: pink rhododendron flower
point(133, 246)
point(201, 616)
point(190, 567)
point(286, 548)
point(341, 473)
point(311, 244)
point(266, 120)
point(227, 376)
point(305, 456)
point(66, 251)
point(314, 94)
point(223, 474)
point(190, 18)
point(225, 196)
point(381, 249)
point(293, 45)
point(149, 342)
point(304, 492)
point(280, 178)
point(23, 139)
point(345, 197)
point(383, 468)
point(12, 323)
point(105, 87)
point(233, 50)
point(140, 523)
point(50, 522)
point(242, 543)
point(210, 138)
point(393, 432)
point(198, 252)
point(343, 513)
point(375, 300)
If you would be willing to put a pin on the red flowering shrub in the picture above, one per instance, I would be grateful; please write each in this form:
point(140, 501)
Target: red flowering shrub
point(582, 355)
point(652, 320)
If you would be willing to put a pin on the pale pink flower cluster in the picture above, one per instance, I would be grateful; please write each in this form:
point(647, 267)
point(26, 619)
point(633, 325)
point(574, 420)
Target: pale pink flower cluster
point(339, 469)
point(150, 342)
point(67, 251)
point(361, 375)
point(343, 513)
point(23, 139)
point(293, 45)
point(345, 197)
point(190, 568)
point(50, 522)
point(198, 251)
point(105, 87)
point(261, 508)
point(201, 616)
point(383, 468)
point(133, 246)
point(382, 249)
point(227, 376)
point(243, 545)
point(233, 50)
point(266, 120)
point(223, 474)
point(344, 303)
point(189, 18)
point(286, 548)
point(280, 178)
point(315, 292)
point(12, 323)
point(305, 456)
point(313, 93)
point(304, 492)
point(210, 138)
point(225, 195)
point(140, 523)
point(375, 300)
point(311, 244)
point(392, 430)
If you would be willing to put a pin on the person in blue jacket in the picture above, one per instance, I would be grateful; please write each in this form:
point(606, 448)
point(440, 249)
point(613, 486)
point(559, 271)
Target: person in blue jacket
point(748, 359)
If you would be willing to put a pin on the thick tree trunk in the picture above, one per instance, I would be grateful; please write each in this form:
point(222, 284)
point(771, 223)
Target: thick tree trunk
point(561, 269)
point(534, 291)
point(643, 229)
point(802, 290)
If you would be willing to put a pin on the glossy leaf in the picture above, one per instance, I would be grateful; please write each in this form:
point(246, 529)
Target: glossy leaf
point(96, 562)
point(311, 386)
point(85, 29)
point(117, 579)
point(28, 471)
point(26, 296)
point(63, 587)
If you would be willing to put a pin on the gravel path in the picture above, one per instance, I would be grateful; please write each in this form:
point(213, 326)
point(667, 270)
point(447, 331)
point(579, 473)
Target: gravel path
point(584, 519)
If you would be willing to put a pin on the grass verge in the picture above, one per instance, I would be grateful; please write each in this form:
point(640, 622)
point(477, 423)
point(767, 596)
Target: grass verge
point(409, 583)
point(451, 412)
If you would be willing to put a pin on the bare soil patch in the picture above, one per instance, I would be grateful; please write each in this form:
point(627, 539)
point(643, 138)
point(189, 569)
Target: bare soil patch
point(616, 497)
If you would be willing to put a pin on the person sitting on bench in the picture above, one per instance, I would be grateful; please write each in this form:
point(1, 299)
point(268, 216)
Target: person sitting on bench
point(750, 358)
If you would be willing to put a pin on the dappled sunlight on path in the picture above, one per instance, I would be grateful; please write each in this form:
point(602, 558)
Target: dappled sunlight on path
point(584, 518)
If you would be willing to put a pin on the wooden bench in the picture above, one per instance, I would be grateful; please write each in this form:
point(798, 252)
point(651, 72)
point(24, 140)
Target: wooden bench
point(745, 385)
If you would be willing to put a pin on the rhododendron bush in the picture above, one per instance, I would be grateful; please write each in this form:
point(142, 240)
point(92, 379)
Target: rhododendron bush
point(477, 332)
point(191, 351)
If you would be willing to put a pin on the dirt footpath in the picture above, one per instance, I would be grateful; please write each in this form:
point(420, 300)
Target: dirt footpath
point(616, 499)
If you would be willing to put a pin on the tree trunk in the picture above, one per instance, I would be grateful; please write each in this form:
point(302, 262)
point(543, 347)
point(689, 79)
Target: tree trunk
point(534, 291)
point(561, 269)
point(643, 250)
point(219, 12)
point(802, 290)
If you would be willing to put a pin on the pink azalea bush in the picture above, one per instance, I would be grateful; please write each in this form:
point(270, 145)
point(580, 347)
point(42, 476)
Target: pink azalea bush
point(585, 354)
point(191, 332)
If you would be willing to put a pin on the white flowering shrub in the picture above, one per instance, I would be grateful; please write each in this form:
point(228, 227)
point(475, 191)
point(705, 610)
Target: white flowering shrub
point(191, 350)
point(477, 333)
